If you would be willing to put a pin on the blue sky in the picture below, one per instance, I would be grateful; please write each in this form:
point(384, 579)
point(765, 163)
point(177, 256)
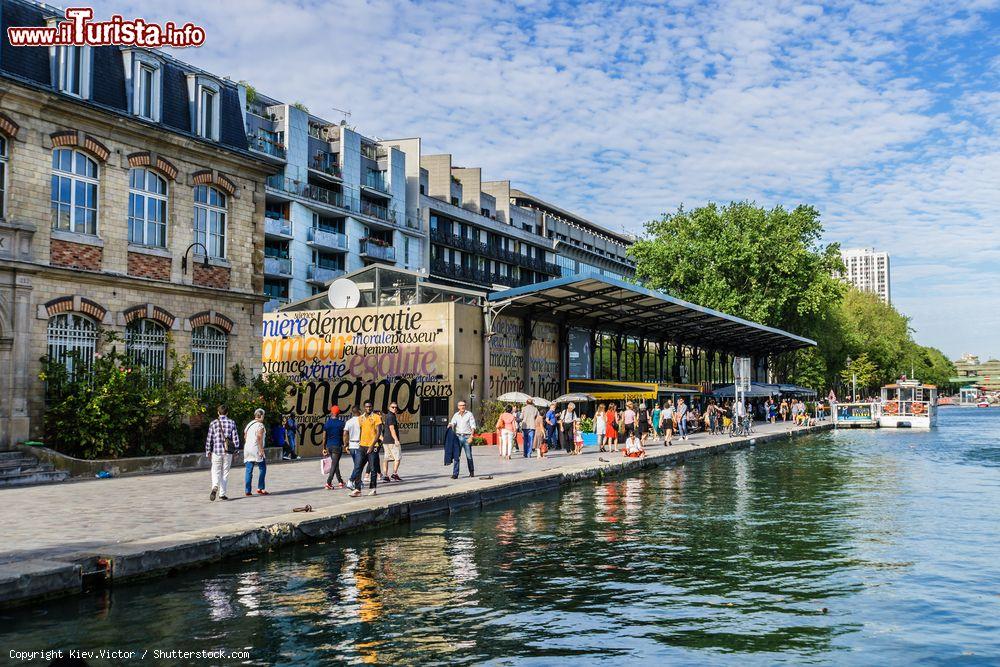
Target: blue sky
point(884, 116)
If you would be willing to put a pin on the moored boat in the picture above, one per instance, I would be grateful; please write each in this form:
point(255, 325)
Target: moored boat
point(908, 404)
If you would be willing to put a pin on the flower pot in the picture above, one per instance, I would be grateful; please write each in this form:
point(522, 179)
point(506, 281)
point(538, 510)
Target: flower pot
point(489, 438)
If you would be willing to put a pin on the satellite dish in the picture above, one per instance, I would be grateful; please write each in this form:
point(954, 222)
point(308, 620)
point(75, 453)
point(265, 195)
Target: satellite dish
point(343, 293)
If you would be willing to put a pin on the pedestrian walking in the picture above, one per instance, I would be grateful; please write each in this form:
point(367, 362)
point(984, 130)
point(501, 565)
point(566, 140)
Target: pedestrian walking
point(221, 442)
point(655, 423)
point(611, 428)
point(352, 432)
point(539, 437)
point(393, 447)
point(254, 454)
point(642, 423)
point(333, 447)
point(551, 427)
point(783, 410)
point(507, 426)
point(568, 421)
point(288, 433)
point(628, 419)
point(371, 432)
point(463, 424)
point(667, 424)
point(600, 426)
point(528, 415)
point(682, 411)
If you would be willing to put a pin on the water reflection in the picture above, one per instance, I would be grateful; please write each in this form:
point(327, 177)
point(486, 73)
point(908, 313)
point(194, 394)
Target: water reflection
point(799, 551)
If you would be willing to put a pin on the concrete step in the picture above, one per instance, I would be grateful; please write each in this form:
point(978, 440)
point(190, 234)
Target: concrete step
point(12, 454)
point(34, 477)
point(20, 462)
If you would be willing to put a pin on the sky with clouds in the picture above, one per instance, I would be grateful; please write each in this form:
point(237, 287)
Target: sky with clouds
point(884, 116)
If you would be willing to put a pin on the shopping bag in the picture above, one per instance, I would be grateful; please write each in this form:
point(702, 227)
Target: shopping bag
point(326, 465)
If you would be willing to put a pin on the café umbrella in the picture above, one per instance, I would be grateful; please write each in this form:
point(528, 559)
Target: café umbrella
point(573, 398)
point(540, 402)
point(514, 397)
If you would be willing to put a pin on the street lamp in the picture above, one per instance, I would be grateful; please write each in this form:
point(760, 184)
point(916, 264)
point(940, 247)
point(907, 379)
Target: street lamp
point(184, 259)
point(854, 382)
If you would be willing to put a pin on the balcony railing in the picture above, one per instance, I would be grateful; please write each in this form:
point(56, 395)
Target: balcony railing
point(323, 274)
point(277, 266)
point(414, 222)
point(377, 251)
point(458, 272)
point(326, 163)
point(373, 152)
point(277, 226)
point(325, 239)
point(262, 142)
point(377, 211)
point(309, 191)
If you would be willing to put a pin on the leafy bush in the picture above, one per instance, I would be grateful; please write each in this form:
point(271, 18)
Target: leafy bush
point(243, 395)
point(490, 413)
point(586, 425)
point(116, 407)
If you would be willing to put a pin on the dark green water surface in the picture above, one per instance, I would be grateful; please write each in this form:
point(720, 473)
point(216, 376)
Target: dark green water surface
point(856, 547)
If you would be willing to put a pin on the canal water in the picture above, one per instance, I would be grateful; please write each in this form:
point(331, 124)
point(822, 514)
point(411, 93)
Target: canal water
point(855, 547)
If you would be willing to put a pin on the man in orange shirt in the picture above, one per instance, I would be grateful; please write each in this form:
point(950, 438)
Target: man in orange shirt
point(371, 432)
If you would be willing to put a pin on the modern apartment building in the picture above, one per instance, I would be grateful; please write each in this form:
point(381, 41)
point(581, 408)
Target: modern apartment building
point(868, 270)
point(130, 203)
point(338, 204)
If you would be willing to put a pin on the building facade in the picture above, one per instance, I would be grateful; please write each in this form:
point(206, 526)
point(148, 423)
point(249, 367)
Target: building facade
point(130, 204)
point(868, 270)
point(983, 374)
point(338, 203)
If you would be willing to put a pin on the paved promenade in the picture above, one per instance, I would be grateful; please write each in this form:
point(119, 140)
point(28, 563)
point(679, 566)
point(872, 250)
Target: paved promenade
point(150, 524)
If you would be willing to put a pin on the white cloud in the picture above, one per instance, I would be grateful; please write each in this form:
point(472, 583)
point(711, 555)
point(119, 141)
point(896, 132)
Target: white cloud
point(883, 115)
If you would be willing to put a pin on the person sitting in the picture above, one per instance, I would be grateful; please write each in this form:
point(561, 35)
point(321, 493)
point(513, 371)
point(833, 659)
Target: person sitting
point(633, 448)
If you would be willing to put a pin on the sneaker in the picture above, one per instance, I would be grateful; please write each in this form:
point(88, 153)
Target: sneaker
point(385, 478)
point(355, 493)
point(454, 476)
point(373, 492)
point(262, 492)
point(223, 497)
point(396, 478)
point(248, 494)
point(340, 486)
point(286, 457)
point(328, 487)
point(350, 485)
point(295, 457)
point(214, 493)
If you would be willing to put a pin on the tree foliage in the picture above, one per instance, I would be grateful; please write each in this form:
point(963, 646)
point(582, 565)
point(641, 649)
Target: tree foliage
point(770, 266)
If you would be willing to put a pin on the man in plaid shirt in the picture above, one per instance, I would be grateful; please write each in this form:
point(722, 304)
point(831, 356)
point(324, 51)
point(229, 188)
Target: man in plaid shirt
point(215, 448)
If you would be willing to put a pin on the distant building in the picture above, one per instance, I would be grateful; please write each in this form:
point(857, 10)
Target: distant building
point(868, 270)
point(983, 374)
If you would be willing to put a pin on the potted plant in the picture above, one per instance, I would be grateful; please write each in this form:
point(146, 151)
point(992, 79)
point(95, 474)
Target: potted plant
point(484, 437)
point(587, 428)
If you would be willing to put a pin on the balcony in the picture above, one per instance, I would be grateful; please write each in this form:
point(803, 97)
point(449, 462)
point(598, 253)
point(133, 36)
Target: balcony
point(387, 215)
point(373, 250)
point(457, 272)
point(326, 163)
point(266, 142)
point(322, 274)
point(277, 266)
point(309, 191)
point(274, 303)
point(277, 226)
point(322, 238)
point(414, 222)
point(374, 152)
point(461, 242)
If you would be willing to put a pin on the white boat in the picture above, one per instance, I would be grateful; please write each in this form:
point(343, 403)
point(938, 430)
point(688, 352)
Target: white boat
point(983, 404)
point(908, 404)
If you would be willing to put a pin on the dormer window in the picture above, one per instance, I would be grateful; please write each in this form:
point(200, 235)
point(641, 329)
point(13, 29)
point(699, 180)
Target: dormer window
point(71, 70)
point(142, 75)
point(206, 96)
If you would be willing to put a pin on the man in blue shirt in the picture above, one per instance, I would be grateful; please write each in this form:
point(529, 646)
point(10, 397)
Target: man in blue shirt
point(550, 427)
point(334, 447)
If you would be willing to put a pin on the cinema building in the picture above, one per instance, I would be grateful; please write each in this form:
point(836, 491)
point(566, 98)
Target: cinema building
point(426, 344)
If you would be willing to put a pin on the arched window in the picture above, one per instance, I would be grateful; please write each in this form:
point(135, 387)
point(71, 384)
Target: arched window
point(147, 208)
point(146, 345)
point(74, 191)
point(72, 341)
point(3, 176)
point(208, 357)
point(210, 220)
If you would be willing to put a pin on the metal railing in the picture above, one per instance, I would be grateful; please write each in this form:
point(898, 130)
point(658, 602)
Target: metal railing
point(323, 274)
point(309, 191)
point(327, 239)
point(377, 251)
point(377, 211)
point(277, 266)
point(262, 143)
point(376, 181)
point(326, 163)
point(277, 226)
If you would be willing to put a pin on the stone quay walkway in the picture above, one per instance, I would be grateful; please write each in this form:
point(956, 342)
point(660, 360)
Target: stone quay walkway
point(59, 537)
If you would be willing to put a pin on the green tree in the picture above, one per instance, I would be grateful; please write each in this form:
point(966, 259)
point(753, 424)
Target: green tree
point(861, 372)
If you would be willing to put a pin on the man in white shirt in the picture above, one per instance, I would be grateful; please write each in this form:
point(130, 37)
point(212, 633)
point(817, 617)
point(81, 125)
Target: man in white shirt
point(352, 434)
point(463, 423)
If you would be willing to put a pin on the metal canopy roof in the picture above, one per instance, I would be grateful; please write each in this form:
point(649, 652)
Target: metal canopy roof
point(606, 304)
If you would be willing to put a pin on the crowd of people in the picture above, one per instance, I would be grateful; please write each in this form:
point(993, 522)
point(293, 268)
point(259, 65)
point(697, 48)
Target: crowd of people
point(372, 438)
